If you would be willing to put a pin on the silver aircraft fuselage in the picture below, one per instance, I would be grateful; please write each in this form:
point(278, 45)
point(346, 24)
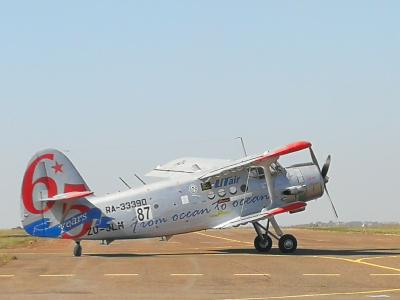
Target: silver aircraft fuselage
point(183, 205)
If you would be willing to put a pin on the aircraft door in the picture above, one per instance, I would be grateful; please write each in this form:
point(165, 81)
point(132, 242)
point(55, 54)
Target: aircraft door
point(255, 190)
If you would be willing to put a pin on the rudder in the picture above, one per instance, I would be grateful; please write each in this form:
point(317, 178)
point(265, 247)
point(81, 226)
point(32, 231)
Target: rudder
point(51, 173)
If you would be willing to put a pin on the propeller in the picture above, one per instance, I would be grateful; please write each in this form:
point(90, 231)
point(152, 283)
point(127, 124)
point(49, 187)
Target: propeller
point(324, 172)
point(325, 167)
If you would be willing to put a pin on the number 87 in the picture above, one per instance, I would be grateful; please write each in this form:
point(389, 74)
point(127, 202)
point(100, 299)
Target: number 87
point(143, 213)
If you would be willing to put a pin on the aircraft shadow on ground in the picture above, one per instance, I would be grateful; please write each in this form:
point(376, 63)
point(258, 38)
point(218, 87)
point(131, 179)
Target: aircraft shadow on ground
point(322, 252)
point(273, 252)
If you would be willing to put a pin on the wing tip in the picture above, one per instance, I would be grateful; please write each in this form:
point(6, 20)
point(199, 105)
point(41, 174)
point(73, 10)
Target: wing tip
point(290, 148)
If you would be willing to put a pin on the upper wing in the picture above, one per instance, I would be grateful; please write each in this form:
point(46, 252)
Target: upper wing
point(293, 207)
point(186, 165)
point(265, 158)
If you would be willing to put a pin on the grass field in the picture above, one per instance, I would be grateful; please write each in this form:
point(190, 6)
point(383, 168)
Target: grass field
point(13, 238)
point(383, 229)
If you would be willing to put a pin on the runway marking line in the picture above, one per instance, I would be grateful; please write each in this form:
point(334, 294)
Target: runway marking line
point(255, 274)
point(7, 275)
point(56, 275)
point(360, 261)
point(36, 253)
point(186, 274)
point(223, 238)
point(378, 257)
point(378, 274)
point(311, 274)
point(125, 274)
point(320, 295)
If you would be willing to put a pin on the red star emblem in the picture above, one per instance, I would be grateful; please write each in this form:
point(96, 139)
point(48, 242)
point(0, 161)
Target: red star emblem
point(57, 168)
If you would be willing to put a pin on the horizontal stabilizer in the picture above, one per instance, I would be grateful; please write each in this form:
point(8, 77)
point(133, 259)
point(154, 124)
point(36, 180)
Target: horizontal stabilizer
point(68, 196)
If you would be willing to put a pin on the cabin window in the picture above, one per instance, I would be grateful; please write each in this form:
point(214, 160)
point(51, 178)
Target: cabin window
point(257, 173)
point(211, 195)
point(206, 186)
point(233, 190)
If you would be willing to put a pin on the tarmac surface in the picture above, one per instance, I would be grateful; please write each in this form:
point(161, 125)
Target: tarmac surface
point(213, 264)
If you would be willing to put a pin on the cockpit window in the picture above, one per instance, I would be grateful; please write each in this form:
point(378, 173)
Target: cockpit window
point(257, 173)
point(276, 168)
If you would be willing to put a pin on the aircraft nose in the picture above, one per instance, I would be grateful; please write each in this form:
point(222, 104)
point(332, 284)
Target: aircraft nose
point(313, 181)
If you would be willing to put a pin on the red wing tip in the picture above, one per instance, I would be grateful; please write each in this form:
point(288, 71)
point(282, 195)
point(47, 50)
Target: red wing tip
point(305, 144)
point(290, 148)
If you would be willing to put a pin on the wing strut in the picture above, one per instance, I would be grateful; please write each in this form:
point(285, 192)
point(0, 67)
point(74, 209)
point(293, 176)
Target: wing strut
point(247, 187)
point(270, 183)
point(244, 148)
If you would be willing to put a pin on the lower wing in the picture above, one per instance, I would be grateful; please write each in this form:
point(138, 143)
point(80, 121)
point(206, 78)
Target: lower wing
point(263, 214)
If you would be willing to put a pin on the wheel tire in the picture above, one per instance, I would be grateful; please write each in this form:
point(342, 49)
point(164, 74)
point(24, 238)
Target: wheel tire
point(77, 250)
point(287, 243)
point(263, 244)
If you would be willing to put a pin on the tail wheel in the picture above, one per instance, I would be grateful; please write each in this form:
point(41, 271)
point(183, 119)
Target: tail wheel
point(77, 250)
point(287, 243)
point(263, 244)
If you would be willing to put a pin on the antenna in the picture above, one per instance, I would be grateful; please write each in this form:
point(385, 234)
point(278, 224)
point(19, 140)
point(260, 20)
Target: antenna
point(124, 182)
point(140, 179)
point(244, 148)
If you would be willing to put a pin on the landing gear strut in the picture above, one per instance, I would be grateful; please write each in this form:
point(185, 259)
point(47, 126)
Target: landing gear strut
point(263, 242)
point(78, 249)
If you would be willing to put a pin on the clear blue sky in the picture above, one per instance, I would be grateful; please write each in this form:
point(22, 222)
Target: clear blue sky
point(126, 85)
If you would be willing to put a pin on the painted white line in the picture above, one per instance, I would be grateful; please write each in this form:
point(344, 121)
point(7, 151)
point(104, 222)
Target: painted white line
point(35, 253)
point(185, 274)
point(223, 238)
point(7, 275)
point(384, 274)
point(321, 274)
point(255, 274)
point(319, 295)
point(131, 274)
point(57, 275)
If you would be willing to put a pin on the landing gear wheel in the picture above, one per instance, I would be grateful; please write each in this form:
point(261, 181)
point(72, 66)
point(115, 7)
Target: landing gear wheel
point(78, 249)
point(263, 244)
point(287, 243)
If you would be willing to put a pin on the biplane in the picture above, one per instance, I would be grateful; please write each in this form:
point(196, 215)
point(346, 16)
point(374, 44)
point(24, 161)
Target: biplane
point(194, 194)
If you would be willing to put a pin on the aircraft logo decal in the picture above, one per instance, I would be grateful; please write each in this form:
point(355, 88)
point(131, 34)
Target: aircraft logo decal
point(226, 181)
point(84, 217)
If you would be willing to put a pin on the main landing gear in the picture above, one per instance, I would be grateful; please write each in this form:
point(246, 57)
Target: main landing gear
point(78, 249)
point(263, 242)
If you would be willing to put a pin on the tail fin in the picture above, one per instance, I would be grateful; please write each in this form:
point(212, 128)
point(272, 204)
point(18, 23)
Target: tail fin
point(51, 203)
